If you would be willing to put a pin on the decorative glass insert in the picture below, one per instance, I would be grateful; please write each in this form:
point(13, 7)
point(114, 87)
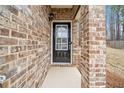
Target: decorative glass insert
point(64, 40)
point(58, 40)
point(64, 46)
point(61, 33)
point(58, 46)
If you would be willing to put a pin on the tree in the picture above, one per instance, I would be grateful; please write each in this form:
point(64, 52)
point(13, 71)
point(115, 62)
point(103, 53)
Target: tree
point(119, 11)
point(111, 26)
point(122, 22)
point(116, 9)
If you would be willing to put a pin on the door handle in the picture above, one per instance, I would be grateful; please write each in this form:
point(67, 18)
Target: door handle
point(69, 43)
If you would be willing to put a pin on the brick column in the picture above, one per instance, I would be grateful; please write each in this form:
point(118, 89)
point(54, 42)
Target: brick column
point(97, 46)
point(93, 47)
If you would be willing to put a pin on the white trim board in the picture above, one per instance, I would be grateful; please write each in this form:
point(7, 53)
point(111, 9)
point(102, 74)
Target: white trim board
point(70, 21)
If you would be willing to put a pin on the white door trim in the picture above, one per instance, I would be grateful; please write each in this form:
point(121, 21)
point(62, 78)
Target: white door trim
point(70, 21)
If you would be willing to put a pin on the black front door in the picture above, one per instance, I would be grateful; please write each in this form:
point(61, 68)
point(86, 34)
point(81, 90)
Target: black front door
point(61, 42)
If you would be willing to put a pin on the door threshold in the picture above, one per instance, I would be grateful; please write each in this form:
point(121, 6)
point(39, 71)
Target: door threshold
point(61, 64)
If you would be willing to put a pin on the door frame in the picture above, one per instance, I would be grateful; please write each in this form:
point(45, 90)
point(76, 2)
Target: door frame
point(69, 21)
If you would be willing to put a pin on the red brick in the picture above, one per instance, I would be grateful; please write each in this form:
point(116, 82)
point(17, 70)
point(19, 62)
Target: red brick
point(3, 50)
point(13, 10)
point(8, 41)
point(17, 49)
point(7, 58)
point(17, 34)
point(4, 32)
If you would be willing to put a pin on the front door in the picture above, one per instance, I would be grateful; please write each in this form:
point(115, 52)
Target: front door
point(61, 42)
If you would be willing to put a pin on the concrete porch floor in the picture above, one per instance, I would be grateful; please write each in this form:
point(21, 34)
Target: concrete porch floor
point(62, 77)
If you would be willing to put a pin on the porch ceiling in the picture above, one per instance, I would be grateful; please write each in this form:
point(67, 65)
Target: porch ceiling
point(64, 12)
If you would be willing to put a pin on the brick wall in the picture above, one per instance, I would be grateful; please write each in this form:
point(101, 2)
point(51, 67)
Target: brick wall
point(84, 66)
point(24, 45)
point(76, 49)
point(97, 46)
point(93, 45)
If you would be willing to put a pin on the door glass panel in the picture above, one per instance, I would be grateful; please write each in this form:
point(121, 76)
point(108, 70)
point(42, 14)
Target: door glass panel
point(61, 34)
point(64, 40)
point(64, 46)
point(58, 40)
point(58, 32)
point(58, 46)
point(64, 33)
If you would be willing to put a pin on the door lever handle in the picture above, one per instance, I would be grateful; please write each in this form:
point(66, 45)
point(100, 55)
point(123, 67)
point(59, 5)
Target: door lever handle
point(70, 43)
